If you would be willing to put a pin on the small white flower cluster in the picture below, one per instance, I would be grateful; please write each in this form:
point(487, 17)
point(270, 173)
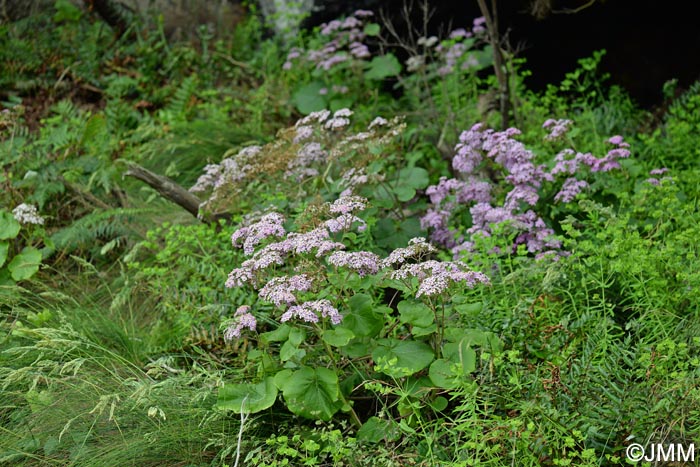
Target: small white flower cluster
point(27, 214)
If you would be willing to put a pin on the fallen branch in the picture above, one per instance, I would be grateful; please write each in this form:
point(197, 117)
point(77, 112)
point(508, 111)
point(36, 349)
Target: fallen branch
point(167, 188)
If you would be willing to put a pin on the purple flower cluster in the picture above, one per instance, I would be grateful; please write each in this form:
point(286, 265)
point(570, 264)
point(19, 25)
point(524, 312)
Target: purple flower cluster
point(229, 170)
point(363, 263)
point(345, 42)
point(435, 277)
point(270, 225)
point(417, 249)
point(567, 161)
point(453, 53)
point(278, 290)
point(557, 128)
point(281, 290)
point(476, 149)
point(310, 311)
point(656, 172)
point(241, 319)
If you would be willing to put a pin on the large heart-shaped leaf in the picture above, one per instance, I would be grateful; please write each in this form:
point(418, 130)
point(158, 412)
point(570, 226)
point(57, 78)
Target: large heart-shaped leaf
point(415, 313)
point(9, 227)
point(308, 98)
point(383, 67)
point(377, 429)
point(338, 337)
point(442, 374)
point(248, 398)
point(462, 354)
point(409, 180)
point(312, 393)
point(363, 319)
point(390, 234)
point(26, 264)
point(399, 358)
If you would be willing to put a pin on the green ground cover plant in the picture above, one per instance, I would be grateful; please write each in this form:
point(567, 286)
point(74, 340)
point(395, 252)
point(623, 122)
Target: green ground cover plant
point(377, 273)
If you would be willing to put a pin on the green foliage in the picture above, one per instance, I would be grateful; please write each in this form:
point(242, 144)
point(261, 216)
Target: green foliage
point(674, 143)
point(112, 348)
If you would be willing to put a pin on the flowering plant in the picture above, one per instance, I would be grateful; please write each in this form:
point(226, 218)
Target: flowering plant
point(500, 183)
point(25, 261)
point(320, 323)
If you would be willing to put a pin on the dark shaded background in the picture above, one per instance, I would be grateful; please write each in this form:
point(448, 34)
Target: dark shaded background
point(648, 42)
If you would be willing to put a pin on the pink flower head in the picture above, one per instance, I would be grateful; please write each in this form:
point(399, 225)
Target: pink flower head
point(270, 225)
point(242, 319)
point(362, 262)
point(279, 290)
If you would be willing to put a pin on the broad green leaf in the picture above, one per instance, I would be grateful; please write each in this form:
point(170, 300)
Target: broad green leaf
point(415, 313)
point(362, 318)
point(9, 227)
point(383, 67)
point(399, 358)
point(338, 337)
point(372, 29)
point(408, 181)
point(359, 348)
point(390, 234)
point(278, 335)
point(342, 103)
point(376, 430)
point(312, 393)
point(5, 278)
point(462, 354)
point(475, 337)
point(290, 349)
point(26, 264)
point(442, 374)
point(4, 246)
point(308, 99)
point(439, 403)
point(248, 398)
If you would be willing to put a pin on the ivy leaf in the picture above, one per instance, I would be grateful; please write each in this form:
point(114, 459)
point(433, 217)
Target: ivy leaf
point(312, 393)
point(26, 264)
point(383, 67)
point(9, 227)
point(399, 358)
point(308, 99)
point(248, 398)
